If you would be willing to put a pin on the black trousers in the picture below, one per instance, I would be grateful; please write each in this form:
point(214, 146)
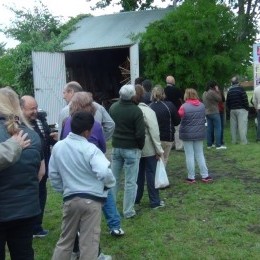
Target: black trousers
point(42, 199)
point(18, 235)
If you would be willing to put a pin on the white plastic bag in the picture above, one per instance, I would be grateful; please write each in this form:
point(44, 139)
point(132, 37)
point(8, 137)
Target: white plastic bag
point(161, 178)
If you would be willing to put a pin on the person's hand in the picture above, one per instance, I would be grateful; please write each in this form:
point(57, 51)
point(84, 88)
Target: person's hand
point(21, 139)
point(54, 136)
point(158, 156)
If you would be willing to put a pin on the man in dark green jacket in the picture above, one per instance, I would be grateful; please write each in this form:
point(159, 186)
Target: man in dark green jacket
point(127, 141)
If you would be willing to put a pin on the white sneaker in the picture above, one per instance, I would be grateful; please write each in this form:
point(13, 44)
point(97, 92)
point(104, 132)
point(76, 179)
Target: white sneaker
point(117, 232)
point(162, 204)
point(104, 257)
point(221, 147)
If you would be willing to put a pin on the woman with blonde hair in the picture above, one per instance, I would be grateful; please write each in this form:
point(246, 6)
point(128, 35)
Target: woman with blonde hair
point(151, 153)
point(167, 117)
point(193, 132)
point(19, 183)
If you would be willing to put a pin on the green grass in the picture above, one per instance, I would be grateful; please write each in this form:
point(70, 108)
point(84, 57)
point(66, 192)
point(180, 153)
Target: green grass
point(220, 220)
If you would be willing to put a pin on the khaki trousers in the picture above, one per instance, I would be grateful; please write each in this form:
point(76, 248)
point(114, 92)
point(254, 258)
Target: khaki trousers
point(83, 215)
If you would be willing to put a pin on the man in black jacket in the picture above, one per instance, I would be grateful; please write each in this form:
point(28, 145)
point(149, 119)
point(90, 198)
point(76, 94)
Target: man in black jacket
point(38, 122)
point(175, 95)
point(237, 103)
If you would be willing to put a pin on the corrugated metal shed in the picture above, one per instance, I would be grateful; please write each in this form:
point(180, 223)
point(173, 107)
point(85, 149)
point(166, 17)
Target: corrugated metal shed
point(108, 31)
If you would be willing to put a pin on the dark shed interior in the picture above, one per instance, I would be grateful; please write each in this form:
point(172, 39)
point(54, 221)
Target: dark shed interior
point(98, 71)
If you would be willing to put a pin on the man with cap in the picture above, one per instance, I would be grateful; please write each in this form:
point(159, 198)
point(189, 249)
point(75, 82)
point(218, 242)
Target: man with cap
point(175, 95)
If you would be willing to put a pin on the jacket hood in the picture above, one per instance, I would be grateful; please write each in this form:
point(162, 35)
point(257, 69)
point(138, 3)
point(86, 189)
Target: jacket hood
point(194, 102)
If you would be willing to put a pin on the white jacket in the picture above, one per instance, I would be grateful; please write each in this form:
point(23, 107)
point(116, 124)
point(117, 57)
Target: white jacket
point(152, 144)
point(256, 97)
point(77, 166)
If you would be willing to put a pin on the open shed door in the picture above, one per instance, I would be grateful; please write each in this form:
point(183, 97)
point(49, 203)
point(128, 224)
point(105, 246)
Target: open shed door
point(49, 78)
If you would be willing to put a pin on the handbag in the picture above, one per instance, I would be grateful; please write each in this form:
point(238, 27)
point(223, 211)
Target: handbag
point(161, 178)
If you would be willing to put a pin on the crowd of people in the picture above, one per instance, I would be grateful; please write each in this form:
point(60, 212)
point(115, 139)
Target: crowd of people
point(145, 125)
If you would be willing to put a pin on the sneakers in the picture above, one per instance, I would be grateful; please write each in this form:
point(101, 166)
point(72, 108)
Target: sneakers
point(212, 146)
point(104, 257)
point(117, 232)
point(221, 147)
point(190, 181)
point(207, 179)
point(41, 234)
point(161, 205)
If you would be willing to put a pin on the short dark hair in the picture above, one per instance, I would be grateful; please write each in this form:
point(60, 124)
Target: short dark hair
point(147, 84)
point(81, 121)
point(139, 80)
point(211, 85)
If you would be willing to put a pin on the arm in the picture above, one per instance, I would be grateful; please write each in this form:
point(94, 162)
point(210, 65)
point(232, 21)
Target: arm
point(108, 124)
point(102, 141)
point(245, 100)
point(11, 149)
point(140, 128)
point(100, 166)
point(181, 112)
point(174, 115)
point(41, 172)
point(103, 117)
point(54, 175)
point(63, 115)
point(153, 129)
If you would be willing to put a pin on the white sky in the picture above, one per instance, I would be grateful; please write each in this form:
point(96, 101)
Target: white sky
point(63, 8)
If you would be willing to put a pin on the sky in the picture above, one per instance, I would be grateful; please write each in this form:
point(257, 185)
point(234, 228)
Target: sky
point(63, 8)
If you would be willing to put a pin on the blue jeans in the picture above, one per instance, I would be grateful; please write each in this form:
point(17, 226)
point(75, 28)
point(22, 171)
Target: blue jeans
point(222, 128)
point(221, 114)
point(213, 128)
point(129, 160)
point(110, 211)
point(147, 169)
point(194, 150)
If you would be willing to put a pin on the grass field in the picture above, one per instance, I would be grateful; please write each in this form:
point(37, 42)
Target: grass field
point(220, 220)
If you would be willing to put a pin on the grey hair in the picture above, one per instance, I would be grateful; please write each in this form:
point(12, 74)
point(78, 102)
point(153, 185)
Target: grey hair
point(127, 92)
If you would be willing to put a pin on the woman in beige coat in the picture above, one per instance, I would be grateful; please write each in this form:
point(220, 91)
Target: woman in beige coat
point(151, 153)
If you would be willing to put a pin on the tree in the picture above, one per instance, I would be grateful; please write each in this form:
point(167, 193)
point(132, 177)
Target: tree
point(36, 30)
point(195, 43)
point(248, 11)
point(127, 5)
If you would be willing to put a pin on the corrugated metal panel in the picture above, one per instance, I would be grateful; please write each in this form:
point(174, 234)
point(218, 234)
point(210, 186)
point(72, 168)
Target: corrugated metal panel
point(49, 78)
point(111, 30)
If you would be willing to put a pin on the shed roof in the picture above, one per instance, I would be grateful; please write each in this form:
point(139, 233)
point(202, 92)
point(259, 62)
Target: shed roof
point(108, 31)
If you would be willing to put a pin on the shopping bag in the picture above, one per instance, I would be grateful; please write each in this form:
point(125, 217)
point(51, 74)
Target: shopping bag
point(161, 178)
